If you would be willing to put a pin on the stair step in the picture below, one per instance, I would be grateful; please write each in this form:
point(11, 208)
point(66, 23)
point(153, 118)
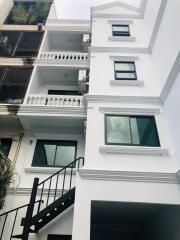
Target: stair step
point(53, 210)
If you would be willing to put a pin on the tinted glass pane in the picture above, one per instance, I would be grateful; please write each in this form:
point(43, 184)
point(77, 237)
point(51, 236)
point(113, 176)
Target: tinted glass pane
point(65, 155)
point(124, 67)
point(121, 28)
point(14, 85)
point(147, 131)
point(5, 145)
point(12, 38)
point(29, 44)
point(118, 130)
point(54, 153)
point(125, 75)
point(28, 12)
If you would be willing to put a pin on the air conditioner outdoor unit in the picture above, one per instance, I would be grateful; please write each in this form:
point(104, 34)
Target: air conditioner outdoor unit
point(5, 45)
point(82, 80)
point(86, 42)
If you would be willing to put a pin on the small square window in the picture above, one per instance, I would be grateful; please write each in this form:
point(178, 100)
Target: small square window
point(54, 153)
point(131, 130)
point(120, 30)
point(125, 71)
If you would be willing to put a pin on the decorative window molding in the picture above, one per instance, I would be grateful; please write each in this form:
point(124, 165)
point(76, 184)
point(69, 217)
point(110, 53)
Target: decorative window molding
point(130, 111)
point(134, 150)
point(124, 58)
point(125, 22)
point(117, 38)
point(115, 83)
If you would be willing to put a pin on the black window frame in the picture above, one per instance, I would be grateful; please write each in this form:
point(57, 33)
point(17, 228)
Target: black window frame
point(117, 71)
point(121, 33)
point(127, 144)
point(61, 141)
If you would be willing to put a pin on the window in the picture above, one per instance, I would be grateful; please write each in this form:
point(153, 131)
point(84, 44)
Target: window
point(120, 30)
point(54, 153)
point(13, 83)
point(63, 92)
point(125, 71)
point(131, 130)
point(5, 145)
point(21, 43)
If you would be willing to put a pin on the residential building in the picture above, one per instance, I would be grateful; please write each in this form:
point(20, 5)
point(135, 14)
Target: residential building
point(88, 116)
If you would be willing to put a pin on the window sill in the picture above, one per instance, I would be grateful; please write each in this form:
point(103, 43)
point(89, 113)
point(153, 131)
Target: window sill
point(133, 150)
point(47, 170)
point(117, 38)
point(126, 82)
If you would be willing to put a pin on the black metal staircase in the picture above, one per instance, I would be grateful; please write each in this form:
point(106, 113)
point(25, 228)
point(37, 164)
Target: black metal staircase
point(48, 199)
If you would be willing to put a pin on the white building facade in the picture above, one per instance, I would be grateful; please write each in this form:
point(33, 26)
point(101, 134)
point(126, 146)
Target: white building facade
point(97, 125)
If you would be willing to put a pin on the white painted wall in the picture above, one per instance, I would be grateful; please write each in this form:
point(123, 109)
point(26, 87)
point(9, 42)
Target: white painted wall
point(102, 30)
point(166, 47)
point(24, 161)
point(102, 72)
point(5, 6)
point(120, 191)
point(172, 115)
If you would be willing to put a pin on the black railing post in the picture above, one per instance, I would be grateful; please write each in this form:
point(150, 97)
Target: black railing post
point(30, 210)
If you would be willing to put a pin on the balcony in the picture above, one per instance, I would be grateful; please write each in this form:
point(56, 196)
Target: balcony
point(57, 87)
point(56, 100)
point(65, 47)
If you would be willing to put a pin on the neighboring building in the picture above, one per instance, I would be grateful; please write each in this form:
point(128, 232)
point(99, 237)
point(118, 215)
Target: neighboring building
point(92, 111)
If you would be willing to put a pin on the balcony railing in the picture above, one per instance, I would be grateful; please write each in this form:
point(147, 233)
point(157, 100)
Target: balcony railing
point(64, 56)
point(54, 100)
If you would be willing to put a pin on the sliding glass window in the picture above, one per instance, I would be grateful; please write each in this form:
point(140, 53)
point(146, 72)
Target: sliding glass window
point(54, 153)
point(131, 130)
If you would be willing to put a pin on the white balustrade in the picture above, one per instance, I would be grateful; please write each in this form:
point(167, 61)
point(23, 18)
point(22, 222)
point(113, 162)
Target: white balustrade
point(64, 56)
point(54, 100)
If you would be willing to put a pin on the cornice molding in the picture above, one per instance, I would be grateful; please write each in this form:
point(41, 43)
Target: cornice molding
point(47, 170)
point(157, 24)
point(133, 150)
point(113, 99)
point(85, 29)
point(171, 79)
point(132, 111)
point(96, 49)
point(129, 176)
point(115, 4)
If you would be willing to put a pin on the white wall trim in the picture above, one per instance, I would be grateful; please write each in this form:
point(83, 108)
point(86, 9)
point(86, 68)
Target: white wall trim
point(47, 170)
point(129, 176)
point(134, 150)
point(130, 111)
point(117, 16)
point(131, 50)
point(136, 83)
point(157, 24)
point(127, 22)
point(142, 7)
point(111, 99)
point(122, 39)
point(171, 79)
point(124, 58)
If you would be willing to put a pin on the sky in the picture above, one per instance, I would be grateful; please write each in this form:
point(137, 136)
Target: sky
point(80, 9)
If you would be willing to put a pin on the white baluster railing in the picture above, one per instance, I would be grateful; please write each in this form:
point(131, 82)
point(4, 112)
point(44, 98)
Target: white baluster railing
point(54, 100)
point(64, 56)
